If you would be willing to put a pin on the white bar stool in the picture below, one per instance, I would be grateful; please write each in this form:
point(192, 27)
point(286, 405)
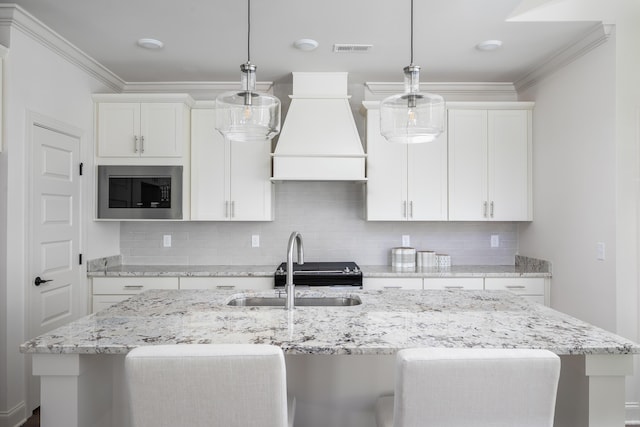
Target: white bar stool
point(208, 385)
point(443, 387)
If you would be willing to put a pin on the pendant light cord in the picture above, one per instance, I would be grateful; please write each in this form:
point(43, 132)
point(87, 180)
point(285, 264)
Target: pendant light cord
point(249, 31)
point(411, 32)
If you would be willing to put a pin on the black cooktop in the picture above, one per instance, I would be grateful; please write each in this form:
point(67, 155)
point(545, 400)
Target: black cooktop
point(321, 274)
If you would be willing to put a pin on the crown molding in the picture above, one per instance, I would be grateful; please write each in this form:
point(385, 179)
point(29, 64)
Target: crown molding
point(14, 16)
point(198, 90)
point(451, 91)
point(595, 37)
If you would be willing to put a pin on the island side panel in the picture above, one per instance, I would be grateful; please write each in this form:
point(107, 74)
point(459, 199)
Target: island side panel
point(607, 388)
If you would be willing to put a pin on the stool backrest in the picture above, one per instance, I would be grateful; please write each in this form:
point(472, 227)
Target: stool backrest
point(475, 387)
point(207, 385)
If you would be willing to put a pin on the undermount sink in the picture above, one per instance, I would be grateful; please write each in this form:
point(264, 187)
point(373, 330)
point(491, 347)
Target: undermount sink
point(299, 302)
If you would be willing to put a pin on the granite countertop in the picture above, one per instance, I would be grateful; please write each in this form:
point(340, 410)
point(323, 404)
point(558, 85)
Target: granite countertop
point(268, 271)
point(385, 322)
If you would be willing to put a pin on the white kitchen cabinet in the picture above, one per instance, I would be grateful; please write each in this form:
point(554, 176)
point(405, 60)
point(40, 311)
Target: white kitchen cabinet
point(490, 161)
point(536, 289)
point(231, 283)
point(462, 283)
point(111, 290)
point(405, 182)
point(230, 180)
point(373, 283)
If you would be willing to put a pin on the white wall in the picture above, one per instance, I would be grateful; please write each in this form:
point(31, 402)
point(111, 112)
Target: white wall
point(41, 81)
point(574, 185)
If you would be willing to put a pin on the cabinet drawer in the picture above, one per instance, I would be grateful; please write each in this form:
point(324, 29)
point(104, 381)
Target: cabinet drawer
point(469, 283)
point(238, 283)
point(517, 285)
point(101, 302)
point(371, 283)
point(131, 285)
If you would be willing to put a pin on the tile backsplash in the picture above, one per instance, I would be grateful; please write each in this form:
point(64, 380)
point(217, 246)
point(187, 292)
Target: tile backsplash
point(330, 217)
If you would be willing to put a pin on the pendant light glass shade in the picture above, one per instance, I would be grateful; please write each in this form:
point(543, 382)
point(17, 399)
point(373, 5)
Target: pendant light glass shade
point(247, 115)
point(412, 117)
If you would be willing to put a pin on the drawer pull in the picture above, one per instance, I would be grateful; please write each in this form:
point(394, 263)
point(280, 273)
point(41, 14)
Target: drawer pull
point(392, 287)
point(225, 287)
point(454, 287)
point(515, 286)
point(133, 286)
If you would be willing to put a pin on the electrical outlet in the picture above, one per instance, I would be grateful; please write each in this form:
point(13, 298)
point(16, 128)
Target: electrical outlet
point(255, 241)
point(406, 240)
point(600, 249)
point(495, 240)
point(166, 240)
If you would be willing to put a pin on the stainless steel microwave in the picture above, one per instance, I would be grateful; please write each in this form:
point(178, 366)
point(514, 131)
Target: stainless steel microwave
point(139, 192)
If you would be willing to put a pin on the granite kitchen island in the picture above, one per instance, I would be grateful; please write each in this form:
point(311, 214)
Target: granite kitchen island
point(80, 364)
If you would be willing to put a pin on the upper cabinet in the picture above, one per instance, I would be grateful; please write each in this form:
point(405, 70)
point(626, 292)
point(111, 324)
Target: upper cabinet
point(490, 161)
point(142, 126)
point(405, 182)
point(230, 179)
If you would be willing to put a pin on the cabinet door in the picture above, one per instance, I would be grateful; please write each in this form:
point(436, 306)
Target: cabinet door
point(427, 180)
point(386, 175)
point(452, 283)
point(508, 165)
point(533, 288)
point(118, 129)
point(467, 165)
point(161, 129)
point(249, 181)
point(208, 168)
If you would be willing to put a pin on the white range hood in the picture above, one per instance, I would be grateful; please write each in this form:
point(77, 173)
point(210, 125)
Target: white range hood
point(319, 140)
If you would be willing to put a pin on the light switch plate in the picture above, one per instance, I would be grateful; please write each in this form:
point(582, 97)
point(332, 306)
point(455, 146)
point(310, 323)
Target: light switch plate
point(406, 240)
point(255, 241)
point(166, 240)
point(601, 251)
point(495, 240)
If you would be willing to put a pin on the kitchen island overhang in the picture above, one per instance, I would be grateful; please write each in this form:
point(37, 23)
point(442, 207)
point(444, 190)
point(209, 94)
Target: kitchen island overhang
point(384, 323)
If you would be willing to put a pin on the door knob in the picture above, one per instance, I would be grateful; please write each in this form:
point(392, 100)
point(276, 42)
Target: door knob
point(40, 281)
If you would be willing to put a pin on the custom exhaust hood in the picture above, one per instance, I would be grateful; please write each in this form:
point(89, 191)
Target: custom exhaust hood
point(319, 140)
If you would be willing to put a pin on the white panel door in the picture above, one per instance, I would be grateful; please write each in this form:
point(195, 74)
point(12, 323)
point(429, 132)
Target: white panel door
point(508, 166)
point(386, 174)
point(208, 168)
point(467, 165)
point(118, 129)
point(55, 293)
point(249, 183)
point(427, 180)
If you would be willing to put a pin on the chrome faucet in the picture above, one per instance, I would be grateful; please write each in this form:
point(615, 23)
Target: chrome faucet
point(289, 286)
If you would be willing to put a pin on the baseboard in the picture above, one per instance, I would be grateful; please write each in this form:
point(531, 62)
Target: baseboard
point(632, 415)
point(14, 417)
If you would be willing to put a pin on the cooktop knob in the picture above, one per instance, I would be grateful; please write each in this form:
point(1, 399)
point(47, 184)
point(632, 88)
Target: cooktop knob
point(347, 270)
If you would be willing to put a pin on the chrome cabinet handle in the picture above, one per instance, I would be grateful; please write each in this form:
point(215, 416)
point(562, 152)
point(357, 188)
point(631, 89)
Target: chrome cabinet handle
point(411, 209)
point(226, 209)
point(484, 209)
point(233, 209)
point(225, 287)
point(491, 209)
point(133, 286)
point(135, 143)
point(514, 286)
point(392, 287)
point(404, 209)
point(142, 144)
point(454, 287)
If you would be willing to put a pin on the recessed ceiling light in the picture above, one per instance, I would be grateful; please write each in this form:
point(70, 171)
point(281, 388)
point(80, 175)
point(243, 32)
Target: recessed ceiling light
point(305, 44)
point(150, 44)
point(489, 45)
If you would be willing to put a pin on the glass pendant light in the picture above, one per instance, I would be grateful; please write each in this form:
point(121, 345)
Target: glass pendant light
point(412, 117)
point(247, 115)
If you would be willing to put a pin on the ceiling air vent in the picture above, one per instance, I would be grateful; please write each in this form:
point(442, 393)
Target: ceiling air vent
point(351, 48)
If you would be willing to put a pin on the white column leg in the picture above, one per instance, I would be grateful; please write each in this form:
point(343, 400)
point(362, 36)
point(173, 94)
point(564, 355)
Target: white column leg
point(75, 390)
point(607, 388)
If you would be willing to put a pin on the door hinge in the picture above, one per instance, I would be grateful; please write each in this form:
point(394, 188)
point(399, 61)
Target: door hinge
point(81, 167)
point(80, 259)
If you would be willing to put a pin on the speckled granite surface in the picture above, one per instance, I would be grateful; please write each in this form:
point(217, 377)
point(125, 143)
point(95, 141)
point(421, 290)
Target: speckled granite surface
point(385, 322)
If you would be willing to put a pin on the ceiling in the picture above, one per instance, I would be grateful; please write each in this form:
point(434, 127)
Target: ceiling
point(206, 41)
